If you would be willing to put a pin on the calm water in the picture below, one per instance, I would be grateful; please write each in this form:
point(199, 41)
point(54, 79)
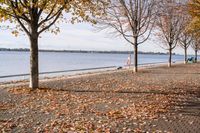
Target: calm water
point(18, 62)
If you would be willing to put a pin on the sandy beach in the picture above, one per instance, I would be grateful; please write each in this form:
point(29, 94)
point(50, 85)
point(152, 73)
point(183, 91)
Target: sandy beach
point(156, 99)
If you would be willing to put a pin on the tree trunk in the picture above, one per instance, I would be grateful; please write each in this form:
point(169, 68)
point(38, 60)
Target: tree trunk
point(34, 67)
point(170, 58)
point(135, 55)
point(196, 56)
point(185, 61)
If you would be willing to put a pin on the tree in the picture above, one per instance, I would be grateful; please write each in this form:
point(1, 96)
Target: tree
point(37, 16)
point(133, 19)
point(194, 10)
point(185, 40)
point(196, 46)
point(170, 24)
point(194, 27)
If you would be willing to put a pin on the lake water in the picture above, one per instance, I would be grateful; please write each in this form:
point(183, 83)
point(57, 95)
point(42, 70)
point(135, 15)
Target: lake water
point(14, 63)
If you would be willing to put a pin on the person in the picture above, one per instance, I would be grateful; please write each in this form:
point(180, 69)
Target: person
point(128, 63)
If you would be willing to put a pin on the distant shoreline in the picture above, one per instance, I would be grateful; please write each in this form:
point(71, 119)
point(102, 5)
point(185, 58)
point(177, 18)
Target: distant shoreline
point(84, 51)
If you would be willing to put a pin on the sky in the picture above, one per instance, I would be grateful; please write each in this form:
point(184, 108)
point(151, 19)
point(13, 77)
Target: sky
point(81, 37)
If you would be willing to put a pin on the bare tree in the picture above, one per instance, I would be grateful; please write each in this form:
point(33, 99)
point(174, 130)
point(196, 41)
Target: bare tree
point(185, 40)
point(132, 19)
point(170, 24)
point(186, 37)
point(196, 46)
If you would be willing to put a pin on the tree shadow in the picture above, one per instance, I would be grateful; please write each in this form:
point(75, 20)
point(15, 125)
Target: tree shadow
point(160, 92)
point(188, 108)
point(175, 73)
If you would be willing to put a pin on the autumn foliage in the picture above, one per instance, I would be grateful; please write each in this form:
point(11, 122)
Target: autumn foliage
point(194, 10)
point(37, 16)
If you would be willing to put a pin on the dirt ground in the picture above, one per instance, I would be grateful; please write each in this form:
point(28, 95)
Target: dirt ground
point(153, 100)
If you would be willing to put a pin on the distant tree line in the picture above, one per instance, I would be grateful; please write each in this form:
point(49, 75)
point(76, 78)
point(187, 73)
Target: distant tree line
point(83, 51)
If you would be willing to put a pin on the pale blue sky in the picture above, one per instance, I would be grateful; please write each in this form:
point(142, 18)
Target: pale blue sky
point(79, 37)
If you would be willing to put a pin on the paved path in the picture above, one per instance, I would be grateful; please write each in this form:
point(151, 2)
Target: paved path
point(154, 100)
